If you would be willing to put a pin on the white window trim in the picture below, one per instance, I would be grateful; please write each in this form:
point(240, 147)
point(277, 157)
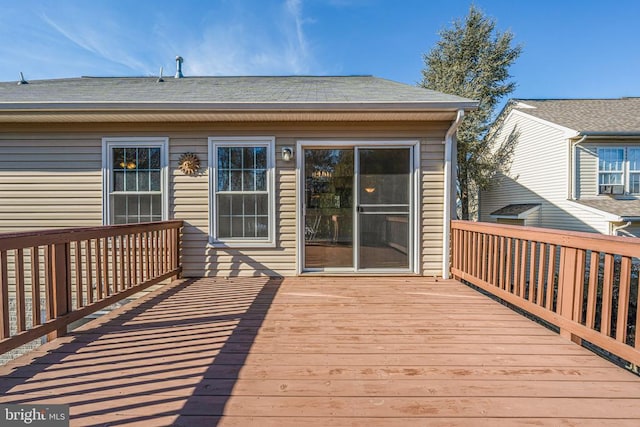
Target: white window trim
point(108, 143)
point(626, 170)
point(242, 141)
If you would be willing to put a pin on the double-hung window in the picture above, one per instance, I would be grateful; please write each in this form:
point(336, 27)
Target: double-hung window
point(619, 170)
point(242, 191)
point(135, 175)
point(611, 170)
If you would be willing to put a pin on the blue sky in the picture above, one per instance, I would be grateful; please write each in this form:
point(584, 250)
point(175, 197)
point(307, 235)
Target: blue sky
point(571, 48)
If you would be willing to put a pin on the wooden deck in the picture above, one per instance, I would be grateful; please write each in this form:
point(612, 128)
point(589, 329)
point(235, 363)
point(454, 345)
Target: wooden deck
point(321, 351)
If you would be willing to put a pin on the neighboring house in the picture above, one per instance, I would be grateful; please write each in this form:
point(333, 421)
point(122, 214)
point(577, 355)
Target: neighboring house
point(576, 166)
point(271, 175)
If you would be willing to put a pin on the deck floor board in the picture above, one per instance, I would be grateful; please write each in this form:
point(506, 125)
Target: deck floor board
point(318, 351)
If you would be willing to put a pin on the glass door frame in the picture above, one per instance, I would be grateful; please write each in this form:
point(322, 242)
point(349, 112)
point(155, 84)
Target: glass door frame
point(414, 211)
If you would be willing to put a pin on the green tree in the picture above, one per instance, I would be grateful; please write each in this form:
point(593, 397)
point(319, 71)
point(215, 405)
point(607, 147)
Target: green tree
point(472, 60)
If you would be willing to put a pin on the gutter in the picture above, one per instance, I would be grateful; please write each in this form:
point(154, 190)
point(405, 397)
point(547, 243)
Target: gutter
point(450, 155)
point(614, 229)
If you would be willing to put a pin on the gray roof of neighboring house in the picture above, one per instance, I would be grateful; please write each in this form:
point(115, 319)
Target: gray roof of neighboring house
point(514, 210)
point(587, 116)
point(624, 208)
point(285, 90)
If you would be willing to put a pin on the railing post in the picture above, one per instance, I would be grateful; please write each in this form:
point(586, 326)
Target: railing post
point(61, 279)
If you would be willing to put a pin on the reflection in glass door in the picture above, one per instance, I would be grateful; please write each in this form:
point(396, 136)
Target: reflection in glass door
point(328, 208)
point(384, 206)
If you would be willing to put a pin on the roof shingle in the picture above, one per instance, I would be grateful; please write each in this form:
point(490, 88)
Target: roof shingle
point(586, 116)
point(286, 89)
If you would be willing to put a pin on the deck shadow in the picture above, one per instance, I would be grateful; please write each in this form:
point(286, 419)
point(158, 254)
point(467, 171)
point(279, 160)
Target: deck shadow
point(149, 359)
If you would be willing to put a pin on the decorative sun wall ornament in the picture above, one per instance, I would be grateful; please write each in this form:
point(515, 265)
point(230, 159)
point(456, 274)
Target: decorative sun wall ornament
point(189, 163)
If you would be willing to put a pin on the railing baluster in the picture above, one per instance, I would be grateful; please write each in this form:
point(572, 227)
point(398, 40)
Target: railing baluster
point(89, 272)
point(99, 275)
point(541, 265)
point(533, 264)
point(48, 282)
point(106, 284)
point(607, 291)
point(551, 274)
point(623, 299)
point(4, 292)
point(20, 291)
point(35, 286)
point(592, 292)
point(78, 271)
point(523, 268)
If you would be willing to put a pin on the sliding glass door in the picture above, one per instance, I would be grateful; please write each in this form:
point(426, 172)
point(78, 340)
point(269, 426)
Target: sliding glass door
point(357, 208)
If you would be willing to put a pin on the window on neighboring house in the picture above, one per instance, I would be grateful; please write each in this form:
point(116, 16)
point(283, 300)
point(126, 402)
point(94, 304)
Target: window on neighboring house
point(611, 170)
point(135, 180)
point(633, 155)
point(242, 200)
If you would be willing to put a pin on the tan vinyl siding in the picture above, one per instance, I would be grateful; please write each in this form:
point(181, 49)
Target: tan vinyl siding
point(432, 199)
point(54, 179)
point(50, 181)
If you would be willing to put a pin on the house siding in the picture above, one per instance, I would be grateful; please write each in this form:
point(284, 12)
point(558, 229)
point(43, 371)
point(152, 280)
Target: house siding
point(539, 174)
point(587, 167)
point(52, 178)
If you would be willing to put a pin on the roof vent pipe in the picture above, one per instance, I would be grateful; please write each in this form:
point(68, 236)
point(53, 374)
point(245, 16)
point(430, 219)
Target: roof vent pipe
point(179, 61)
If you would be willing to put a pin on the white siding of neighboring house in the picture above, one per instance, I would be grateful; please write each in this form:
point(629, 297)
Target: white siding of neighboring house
point(539, 174)
point(587, 165)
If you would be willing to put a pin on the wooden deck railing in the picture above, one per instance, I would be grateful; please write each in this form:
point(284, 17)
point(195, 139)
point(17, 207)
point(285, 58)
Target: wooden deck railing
point(49, 279)
point(585, 284)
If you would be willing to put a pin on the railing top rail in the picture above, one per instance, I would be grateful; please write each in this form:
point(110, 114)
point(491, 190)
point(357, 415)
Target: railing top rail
point(28, 239)
point(627, 246)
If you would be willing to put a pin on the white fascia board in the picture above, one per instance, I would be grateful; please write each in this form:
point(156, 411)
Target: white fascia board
point(569, 133)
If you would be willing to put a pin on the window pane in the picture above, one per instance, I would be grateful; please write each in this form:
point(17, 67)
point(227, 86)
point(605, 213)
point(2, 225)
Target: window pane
point(144, 203)
point(634, 183)
point(143, 158)
point(249, 158)
point(634, 159)
point(130, 181)
point(118, 158)
point(249, 202)
point(248, 181)
point(224, 157)
point(262, 204)
point(261, 180)
point(236, 180)
point(223, 180)
point(261, 157)
point(154, 181)
point(143, 181)
point(236, 158)
point(262, 227)
point(611, 159)
point(118, 180)
point(611, 179)
point(154, 158)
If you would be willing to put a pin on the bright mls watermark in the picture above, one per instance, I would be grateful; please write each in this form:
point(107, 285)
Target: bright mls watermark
point(34, 415)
